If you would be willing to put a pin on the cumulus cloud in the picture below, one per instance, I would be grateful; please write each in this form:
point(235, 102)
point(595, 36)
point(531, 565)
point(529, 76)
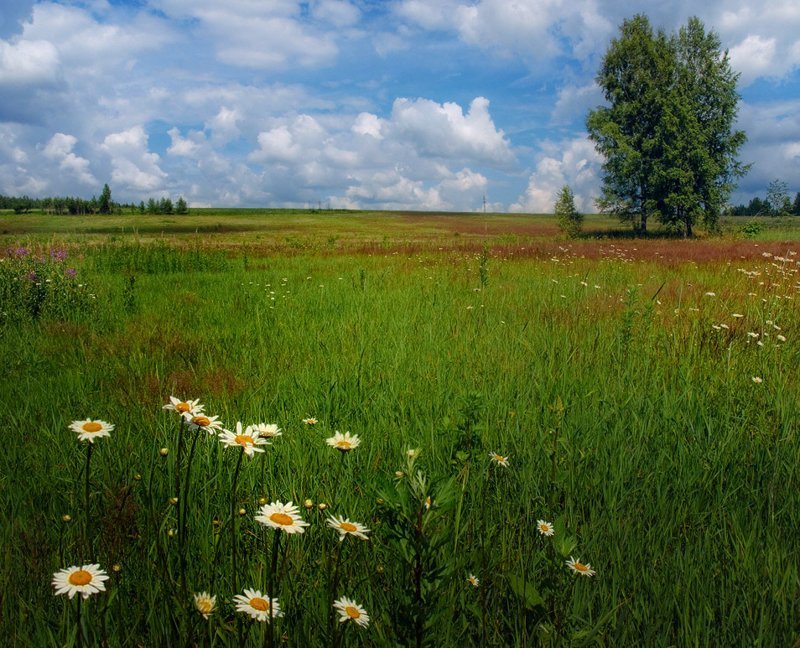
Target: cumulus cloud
point(60, 148)
point(28, 62)
point(443, 130)
point(574, 162)
point(133, 166)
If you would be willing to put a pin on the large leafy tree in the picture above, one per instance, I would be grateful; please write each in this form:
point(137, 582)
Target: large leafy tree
point(667, 133)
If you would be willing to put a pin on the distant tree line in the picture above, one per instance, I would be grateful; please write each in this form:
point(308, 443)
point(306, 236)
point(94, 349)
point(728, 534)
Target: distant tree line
point(68, 205)
point(777, 203)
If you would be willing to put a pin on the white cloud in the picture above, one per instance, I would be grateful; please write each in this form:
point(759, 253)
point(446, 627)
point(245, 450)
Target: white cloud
point(133, 166)
point(224, 125)
point(59, 148)
point(28, 62)
point(368, 124)
point(443, 130)
point(574, 162)
point(755, 57)
point(336, 12)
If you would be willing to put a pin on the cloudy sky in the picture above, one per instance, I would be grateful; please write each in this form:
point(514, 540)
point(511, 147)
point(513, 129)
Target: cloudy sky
point(399, 104)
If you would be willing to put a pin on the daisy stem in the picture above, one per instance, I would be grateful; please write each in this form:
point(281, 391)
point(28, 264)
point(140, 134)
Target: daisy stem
point(233, 519)
point(183, 505)
point(80, 622)
point(276, 541)
point(86, 512)
point(178, 457)
point(332, 628)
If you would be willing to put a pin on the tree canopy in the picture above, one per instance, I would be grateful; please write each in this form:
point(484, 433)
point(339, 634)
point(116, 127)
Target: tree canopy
point(667, 133)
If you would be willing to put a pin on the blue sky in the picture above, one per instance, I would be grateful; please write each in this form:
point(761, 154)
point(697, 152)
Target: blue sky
point(398, 104)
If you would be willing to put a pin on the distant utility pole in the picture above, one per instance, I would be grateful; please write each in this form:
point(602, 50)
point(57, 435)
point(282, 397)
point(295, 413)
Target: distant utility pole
point(484, 203)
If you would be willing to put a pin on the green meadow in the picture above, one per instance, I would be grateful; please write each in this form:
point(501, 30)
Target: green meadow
point(641, 397)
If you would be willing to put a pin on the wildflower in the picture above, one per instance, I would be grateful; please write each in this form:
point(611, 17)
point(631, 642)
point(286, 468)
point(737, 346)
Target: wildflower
point(310, 421)
point(258, 607)
point(545, 528)
point(191, 407)
point(345, 527)
point(86, 580)
point(413, 453)
point(249, 440)
point(349, 610)
point(265, 430)
point(781, 338)
point(210, 424)
point(283, 517)
point(757, 380)
point(88, 430)
point(473, 580)
point(737, 315)
point(711, 294)
point(428, 503)
point(499, 459)
point(751, 334)
point(343, 442)
point(579, 568)
point(205, 604)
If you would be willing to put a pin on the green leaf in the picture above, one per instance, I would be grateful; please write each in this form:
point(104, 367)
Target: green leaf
point(526, 591)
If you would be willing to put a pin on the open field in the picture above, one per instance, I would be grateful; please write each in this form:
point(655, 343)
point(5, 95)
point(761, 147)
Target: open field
point(645, 392)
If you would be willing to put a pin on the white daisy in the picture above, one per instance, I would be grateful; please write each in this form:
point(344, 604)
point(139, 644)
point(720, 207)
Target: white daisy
point(191, 407)
point(545, 528)
point(580, 568)
point(248, 440)
point(86, 580)
point(283, 517)
point(205, 604)
point(89, 430)
point(349, 610)
point(473, 580)
point(310, 421)
point(499, 459)
point(265, 430)
point(258, 606)
point(345, 527)
point(343, 442)
point(210, 424)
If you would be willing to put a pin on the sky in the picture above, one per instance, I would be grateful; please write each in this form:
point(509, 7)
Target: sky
point(436, 105)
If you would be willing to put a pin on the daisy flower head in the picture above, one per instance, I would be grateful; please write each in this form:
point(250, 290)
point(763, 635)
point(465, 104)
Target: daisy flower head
point(248, 440)
point(343, 442)
point(345, 527)
point(499, 459)
point(184, 407)
point(584, 569)
point(349, 610)
point(473, 580)
point(83, 579)
point(757, 380)
point(89, 430)
point(282, 517)
point(259, 607)
point(545, 528)
point(310, 421)
point(205, 604)
point(210, 424)
point(264, 430)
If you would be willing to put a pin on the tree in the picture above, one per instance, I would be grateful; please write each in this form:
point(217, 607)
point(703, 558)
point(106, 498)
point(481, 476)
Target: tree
point(570, 220)
point(181, 207)
point(667, 134)
point(778, 198)
point(796, 204)
point(104, 204)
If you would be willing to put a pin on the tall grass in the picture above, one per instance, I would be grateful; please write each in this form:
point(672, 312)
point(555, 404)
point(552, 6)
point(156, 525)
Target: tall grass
point(627, 409)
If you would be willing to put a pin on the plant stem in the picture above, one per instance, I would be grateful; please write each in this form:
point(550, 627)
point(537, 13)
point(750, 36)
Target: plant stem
point(183, 505)
point(276, 541)
point(86, 511)
point(233, 519)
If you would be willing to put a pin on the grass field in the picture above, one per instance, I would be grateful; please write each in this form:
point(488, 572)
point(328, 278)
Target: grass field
point(645, 394)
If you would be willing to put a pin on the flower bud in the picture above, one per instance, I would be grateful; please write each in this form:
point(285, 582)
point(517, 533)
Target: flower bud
point(163, 452)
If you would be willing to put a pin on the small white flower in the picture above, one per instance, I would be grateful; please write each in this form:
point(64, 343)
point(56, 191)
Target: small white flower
point(499, 459)
point(580, 568)
point(349, 610)
point(345, 527)
point(282, 517)
point(205, 604)
point(343, 442)
point(545, 528)
point(259, 607)
point(84, 579)
point(757, 380)
point(473, 580)
point(89, 430)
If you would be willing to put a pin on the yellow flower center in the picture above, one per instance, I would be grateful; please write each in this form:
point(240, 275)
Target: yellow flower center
point(343, 445)
point(92, 426)
point(350, 528)
point(581, 567)
point(244, 439)
point(282, 519)
point(352, 612)
point(80, 577)
point(259, 604)
point(183, 407)
point(202, 421)
point(205, 606)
